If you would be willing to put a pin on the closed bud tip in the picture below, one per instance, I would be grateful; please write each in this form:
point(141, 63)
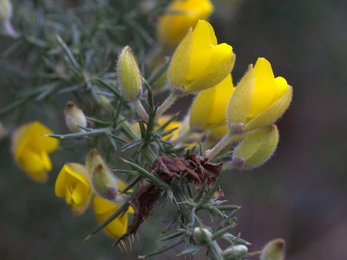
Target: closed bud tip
point(273, 250)
point(74, 117)
point(234, 252)
point(103, 182)
point(93, 159)
point(202, 234)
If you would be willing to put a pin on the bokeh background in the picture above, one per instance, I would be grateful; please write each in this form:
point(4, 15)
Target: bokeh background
point(299, 195)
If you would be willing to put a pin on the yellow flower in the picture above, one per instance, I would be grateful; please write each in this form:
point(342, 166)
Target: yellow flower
point(182, 15)
point(210, 106)
point(259, 98)
point(104, 209)
point(31, 148)
point(199, 62)
point(73, 183)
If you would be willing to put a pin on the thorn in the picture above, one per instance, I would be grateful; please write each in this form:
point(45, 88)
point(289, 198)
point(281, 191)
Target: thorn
point(138, 237)
point(130, 243)
point(120, 248)
point(124, 246)
point(87, 238)
point(133, 238)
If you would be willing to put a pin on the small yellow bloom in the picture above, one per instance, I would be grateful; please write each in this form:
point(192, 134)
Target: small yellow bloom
point(259, 98)
point(199, 62)
point(73, 183)
point(31, 148)
point(211, 105)
point(182, 15)
point(104, 209)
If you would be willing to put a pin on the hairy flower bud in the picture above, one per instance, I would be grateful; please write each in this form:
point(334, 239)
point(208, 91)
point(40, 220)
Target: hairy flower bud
point(74, 117)
point(256, 149)
point(273, 250)
point(129, 75)
point(93, 159)
point(202, 234)
point(234, 252)
point(103, 183)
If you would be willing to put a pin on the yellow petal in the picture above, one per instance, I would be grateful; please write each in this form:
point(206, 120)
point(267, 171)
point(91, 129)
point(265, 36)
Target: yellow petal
point(281, 88)
point(210, 106)
point(220, 54)
point(201, 109)
point(179, 65)
point(265, 87)
point(223, 92)
point(41, 142)
point(211, 78)
point(69, 175)
point(101, 205)
point(79, 194)
point(46, 161)
point(31, 162)
point(201, 52)
point(272, 113)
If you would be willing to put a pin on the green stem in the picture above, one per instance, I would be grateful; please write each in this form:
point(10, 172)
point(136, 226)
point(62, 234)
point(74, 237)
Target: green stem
point(222, 143)
point(165, 105)
point(141, 110)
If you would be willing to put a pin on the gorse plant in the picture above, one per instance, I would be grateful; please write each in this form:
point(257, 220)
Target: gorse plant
point(69, 52)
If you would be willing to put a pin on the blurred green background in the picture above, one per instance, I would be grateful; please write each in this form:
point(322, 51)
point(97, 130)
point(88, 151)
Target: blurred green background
point(299, 195)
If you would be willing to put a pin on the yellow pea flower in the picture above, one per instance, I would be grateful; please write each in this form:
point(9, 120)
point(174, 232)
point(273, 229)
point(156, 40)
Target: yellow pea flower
point(210, 106)
point(30, 149)
point(104, 209)
point(182, 15)
point(259, 98)
point(199, 62)
point(73, 183)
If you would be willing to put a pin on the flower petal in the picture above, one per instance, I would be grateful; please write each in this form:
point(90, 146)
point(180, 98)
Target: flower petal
point(201, 52)
point(265, 87)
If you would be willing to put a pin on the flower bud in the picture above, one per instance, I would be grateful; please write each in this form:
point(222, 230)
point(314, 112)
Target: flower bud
point(74, 117)
point(93, 159)
point(273, 250)
point(202, 234)
point(103, 183)
point(234, 252)
point(6, 10)
point(256, 149)
point(129, 75)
